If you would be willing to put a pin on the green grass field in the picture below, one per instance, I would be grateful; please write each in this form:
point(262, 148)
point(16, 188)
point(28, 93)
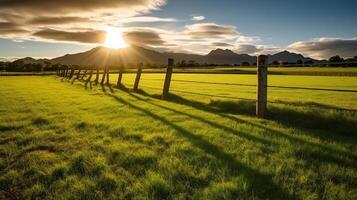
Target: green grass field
point(60, 140)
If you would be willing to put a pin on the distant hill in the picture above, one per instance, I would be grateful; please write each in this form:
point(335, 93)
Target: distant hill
point(134, 54)
point(286, 56)
point(220, 56)
point(29, 60)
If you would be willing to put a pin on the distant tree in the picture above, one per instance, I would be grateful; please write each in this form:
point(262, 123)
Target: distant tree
point(275, 62)
point(350, 62)
point(245, 64)
point(182, 63)
point(355, 57)
point(336, 59)
point(308, 62)
point(192, 63)
point(299, 62)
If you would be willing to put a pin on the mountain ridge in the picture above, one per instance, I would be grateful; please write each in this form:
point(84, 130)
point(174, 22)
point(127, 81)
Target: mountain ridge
point(135, 54)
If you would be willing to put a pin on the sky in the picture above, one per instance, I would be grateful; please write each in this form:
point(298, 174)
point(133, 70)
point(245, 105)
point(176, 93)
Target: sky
point(46, 29)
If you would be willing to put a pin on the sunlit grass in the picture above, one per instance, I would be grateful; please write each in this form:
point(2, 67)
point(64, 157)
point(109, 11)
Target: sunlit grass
point(62, 141)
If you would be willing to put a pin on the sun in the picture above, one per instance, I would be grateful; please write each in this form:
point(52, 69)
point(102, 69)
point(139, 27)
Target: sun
point(114, 38)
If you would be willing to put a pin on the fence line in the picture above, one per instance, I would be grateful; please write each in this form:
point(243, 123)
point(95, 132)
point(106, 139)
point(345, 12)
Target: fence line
point(254, 85)
point(261, 86)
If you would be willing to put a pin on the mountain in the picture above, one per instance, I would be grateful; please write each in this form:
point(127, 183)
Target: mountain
point(29, 60)
point(133, 55)
point(286, 56)
point(220, 56)
point(128, 56)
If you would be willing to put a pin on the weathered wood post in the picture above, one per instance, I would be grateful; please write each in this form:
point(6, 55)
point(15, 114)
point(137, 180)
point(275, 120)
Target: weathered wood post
point(108, 81)
point(66, 71)
point(72, 73)
point(169, 69)
point(84, 74)
point(103, 77)
point(261, 104)
point(78, 73)
point(137, 78)
point(120, 76)
point(63, 71)
point(90, 75)
point(97, 76)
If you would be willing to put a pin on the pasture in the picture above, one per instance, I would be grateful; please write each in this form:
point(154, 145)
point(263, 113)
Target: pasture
point(68, 140)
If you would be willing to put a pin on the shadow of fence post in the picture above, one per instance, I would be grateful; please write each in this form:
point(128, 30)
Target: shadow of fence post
point(261, 104)
point(169, 69)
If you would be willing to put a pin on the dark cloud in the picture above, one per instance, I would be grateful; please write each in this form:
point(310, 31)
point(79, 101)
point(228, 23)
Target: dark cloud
point(326, 47)
point(7, 28)
point(143, 37)
point(210, 30)
point(89, 36)
point(36, 7)
point(221, 44)
point(56, 20)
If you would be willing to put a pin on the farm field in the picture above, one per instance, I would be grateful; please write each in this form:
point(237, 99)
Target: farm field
point(60, 140)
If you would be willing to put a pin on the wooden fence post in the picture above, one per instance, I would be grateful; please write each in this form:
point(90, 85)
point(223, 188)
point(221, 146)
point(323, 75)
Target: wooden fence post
point(103, 77)
point(65, 71)
point(120, 77)
point(90, 75)
point(96, 80)
point(261, 104)
point(138, 75)
point(108, 81)
point(78, 73)
point(169, 69)
point(72, 73)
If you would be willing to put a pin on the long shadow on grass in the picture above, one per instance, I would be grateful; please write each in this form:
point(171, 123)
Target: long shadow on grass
point(313, 104)
point(235, 167)
point(213, 124)
point(247, 108)
point(311, 118)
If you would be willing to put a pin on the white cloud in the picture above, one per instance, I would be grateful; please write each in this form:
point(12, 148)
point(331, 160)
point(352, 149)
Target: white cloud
point(198, 18)
point(247, 39)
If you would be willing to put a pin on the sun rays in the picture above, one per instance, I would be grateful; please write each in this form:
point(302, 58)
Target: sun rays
point(114, 38)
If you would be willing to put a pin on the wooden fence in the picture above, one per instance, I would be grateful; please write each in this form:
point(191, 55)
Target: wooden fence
point(80, 73)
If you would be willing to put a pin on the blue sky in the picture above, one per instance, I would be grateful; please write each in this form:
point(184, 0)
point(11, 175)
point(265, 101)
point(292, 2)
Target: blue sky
point(278, 22)
point(267, 27)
